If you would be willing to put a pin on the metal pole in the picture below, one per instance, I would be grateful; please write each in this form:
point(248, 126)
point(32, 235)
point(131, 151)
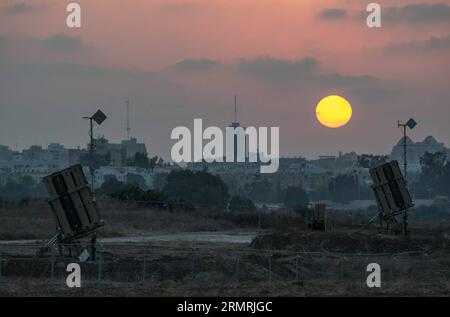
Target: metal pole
point(259, 220)
point(91, 152)
point(52, 267)
point(94, 246)
point(325, 266)
point(366, 261)
point(128, 120)
point(144, 270)
point(270, 268)
point(237, 270)
point(405, 170)
point(100, 264)
point(405, 164)
point(392, 267)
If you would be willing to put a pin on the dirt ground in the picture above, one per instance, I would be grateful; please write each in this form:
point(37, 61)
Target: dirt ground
point(36, 221)
point(285, 259)
point(201, 268)
point(348, 241)
point(41, 287)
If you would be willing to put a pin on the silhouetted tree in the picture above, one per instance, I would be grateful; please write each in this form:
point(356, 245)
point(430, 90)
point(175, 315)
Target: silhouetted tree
point(134, 193)
point(141, 160)
point(296, 196)
point(369, 160)
point(137, 180)
point(199, 188)
point(435, 177)
point(261, 191)
point(22, 188)
point(111, 185)
point(241, 204)
point(343, 188)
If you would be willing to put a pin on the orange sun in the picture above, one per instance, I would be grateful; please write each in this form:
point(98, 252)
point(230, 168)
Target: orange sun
point(333, 111)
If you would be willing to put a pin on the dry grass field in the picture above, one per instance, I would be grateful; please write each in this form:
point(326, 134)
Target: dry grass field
point(42, 287)
point(34, 220)
point(285, 259)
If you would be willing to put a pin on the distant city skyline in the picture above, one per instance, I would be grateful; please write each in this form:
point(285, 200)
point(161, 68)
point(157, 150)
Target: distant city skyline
point(166, 156)
point(416, 148)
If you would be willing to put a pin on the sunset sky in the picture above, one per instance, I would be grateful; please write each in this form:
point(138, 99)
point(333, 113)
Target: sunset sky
point(177, 60)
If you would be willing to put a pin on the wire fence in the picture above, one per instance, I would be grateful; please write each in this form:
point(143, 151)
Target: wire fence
point(136, 263)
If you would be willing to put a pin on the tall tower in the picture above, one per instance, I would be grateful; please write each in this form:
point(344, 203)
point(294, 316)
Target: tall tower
point(128, 120)
point(235, 108)
point(235, 124)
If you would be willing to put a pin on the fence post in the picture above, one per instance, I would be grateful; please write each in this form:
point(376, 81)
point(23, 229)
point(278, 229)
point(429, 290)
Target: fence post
point(324, 266)
point(144, 270)
point(366, 261)
point(297, 275)
point(100, 264)
point(52, 266)
point(193, 265)
point(237, 270)
point(270, 268)
point(392, 267)
point(342, 268)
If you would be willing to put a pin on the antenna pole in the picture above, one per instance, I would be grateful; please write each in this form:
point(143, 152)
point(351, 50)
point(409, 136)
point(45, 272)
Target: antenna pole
point(98, 118)
point(91, 151)
point(128, 120)
point(235, 108)
point(405, 169)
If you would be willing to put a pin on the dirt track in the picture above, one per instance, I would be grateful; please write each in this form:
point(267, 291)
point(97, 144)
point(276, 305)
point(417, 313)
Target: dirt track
point(213, 237)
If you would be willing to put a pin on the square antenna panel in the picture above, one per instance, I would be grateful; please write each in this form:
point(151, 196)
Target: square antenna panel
point(411, 123)
point(99, 117)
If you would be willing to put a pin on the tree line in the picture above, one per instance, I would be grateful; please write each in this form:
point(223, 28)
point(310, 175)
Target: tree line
point(195, 189)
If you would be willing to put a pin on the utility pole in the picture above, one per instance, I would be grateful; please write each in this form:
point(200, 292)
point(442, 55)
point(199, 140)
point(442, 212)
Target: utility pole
point(410, 124)
point(128, 121)
point(91, 149)
point(98, 118)
point(235, 108)
point(405, 164)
